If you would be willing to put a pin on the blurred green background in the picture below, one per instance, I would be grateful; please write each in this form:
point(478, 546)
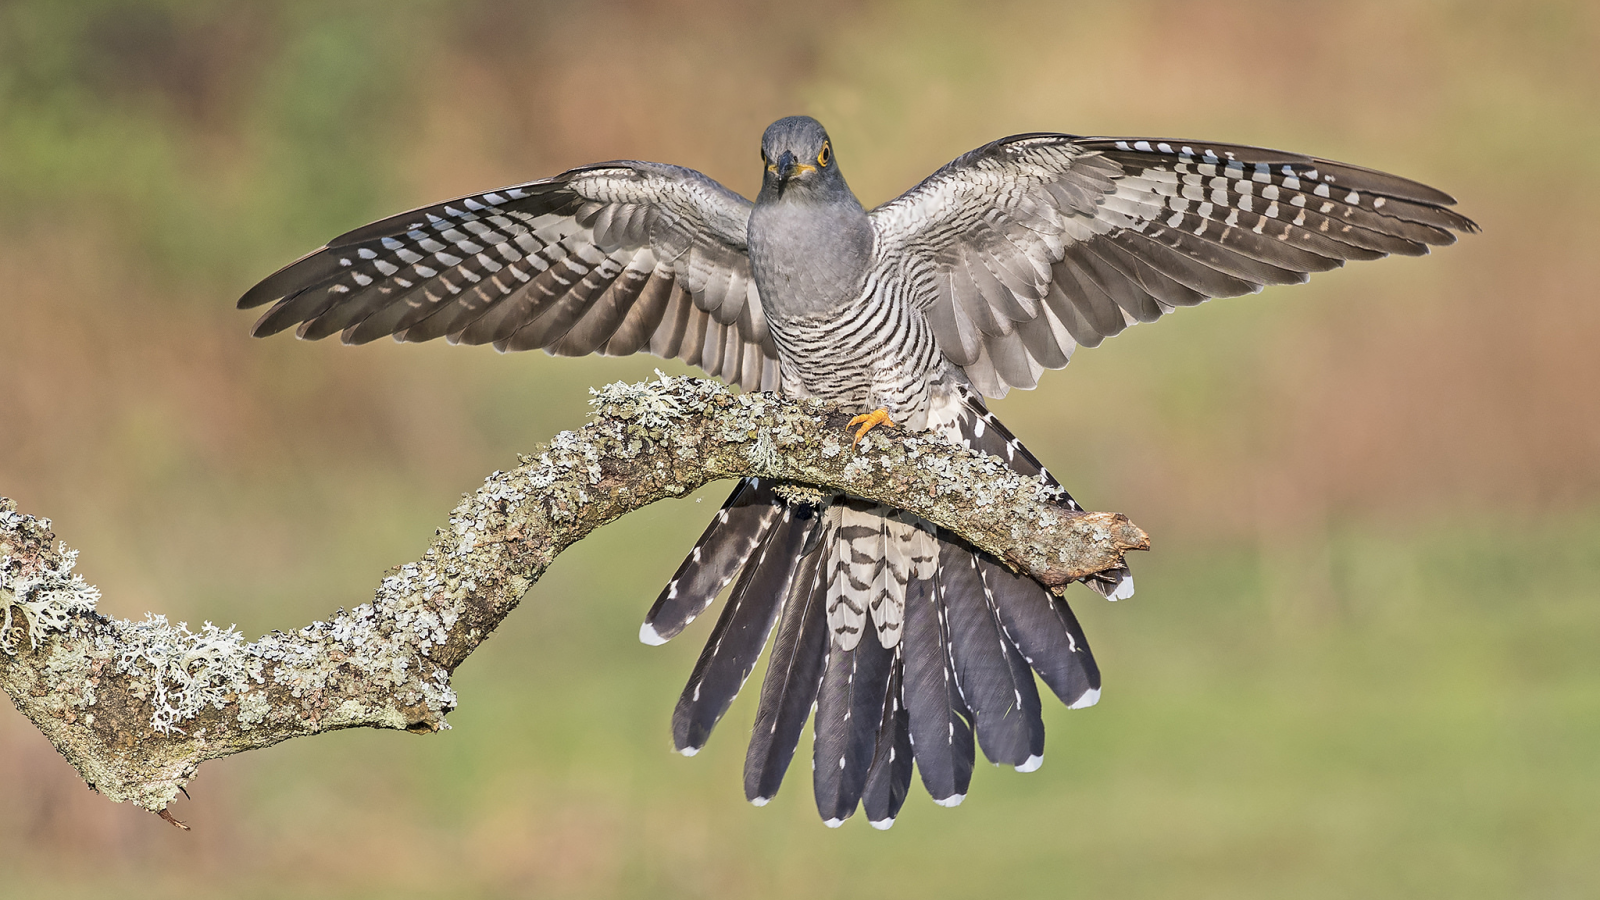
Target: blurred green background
point(1364, 659)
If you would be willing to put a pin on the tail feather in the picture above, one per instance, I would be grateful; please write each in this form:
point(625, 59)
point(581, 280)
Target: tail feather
point(793, 677)
point(849, 711)
point(1043, 627)
point(742, 631)
point(854, 568)
point(941, 736)
point(1112, 584)
point(889, 779)
point(982, 431)
point(897, 540)
point(722, 551)
point(994, 680)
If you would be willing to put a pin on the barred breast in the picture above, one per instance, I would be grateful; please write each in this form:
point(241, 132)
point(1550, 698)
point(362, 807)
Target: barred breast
point(876, 351)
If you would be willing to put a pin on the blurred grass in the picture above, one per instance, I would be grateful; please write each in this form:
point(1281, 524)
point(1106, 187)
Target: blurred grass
point(1428, 729)
point(1361, 661)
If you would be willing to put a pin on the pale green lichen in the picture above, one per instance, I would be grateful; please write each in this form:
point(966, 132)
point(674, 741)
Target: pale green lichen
point(180, 673)
point(253, 709)
point(802, 495)
point(378, 640)
point(763, 453)
point(649, 403)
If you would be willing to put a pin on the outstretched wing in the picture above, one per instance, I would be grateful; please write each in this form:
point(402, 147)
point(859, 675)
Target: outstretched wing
point(1027, 247)
point(614, 258)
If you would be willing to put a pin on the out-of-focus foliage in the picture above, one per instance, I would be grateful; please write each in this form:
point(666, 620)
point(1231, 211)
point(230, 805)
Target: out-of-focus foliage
point(1339, 677)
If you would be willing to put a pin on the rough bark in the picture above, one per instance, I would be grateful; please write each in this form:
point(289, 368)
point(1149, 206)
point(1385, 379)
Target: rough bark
point(137, 706)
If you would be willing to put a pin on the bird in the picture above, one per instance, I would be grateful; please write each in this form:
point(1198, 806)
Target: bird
point(908, 648)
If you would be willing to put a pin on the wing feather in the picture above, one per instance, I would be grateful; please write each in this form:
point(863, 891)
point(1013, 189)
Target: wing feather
point(595, 328)
point(591, 260)
point(1107, 232)
point(667, 341)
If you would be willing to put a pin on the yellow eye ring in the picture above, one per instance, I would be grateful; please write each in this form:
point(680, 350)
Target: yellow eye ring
point(825, 155)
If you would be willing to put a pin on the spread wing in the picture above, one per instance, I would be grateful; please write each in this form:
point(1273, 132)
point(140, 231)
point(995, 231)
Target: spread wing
point(1027, 247)
point(614, 258)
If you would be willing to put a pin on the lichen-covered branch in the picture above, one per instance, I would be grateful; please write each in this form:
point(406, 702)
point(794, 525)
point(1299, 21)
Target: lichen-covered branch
point(137, 706)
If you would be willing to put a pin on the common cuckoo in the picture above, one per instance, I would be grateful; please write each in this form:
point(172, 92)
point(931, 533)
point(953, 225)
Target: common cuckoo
point(909, 644)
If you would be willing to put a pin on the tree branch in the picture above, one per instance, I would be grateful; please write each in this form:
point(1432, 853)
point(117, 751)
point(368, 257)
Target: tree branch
point(137, 706)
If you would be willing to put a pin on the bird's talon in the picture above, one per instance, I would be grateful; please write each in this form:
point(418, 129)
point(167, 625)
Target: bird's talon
point(869, 421)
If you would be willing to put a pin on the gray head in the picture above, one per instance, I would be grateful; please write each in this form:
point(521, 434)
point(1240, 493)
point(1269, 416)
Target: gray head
point(799, 162)
point(810, 241)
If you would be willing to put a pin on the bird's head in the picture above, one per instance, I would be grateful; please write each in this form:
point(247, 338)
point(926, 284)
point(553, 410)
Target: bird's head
point(799, 160)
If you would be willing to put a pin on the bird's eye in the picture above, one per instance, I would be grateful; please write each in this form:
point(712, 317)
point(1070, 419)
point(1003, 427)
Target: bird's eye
point(825, 155)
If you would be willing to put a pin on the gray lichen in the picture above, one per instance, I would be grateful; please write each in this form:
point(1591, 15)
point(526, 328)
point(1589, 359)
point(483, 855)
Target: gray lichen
point(46, 598)
point(639, 402)
point(183, 672)
point(801, 495)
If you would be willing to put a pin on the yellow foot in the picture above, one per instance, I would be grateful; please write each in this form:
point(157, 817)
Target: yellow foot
point(869, 421)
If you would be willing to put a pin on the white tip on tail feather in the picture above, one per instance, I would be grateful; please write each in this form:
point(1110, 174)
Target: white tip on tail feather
point(760, 801)
point(952, 800)
point(689, 751)
point(1032, 764)
point(1124, 588)
point(649, 635)
point(833, 823)
point(881, 824)
point(1089, 698)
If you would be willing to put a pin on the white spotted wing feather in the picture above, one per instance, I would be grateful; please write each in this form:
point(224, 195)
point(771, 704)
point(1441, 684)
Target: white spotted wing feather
point(1030, 246)
point(615, 258)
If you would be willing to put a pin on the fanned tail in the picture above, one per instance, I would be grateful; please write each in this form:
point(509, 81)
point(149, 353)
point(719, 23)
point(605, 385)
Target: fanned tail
point(913, 648)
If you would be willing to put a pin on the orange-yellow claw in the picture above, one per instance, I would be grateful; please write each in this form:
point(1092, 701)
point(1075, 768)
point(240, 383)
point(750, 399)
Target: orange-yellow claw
point(869, 421)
